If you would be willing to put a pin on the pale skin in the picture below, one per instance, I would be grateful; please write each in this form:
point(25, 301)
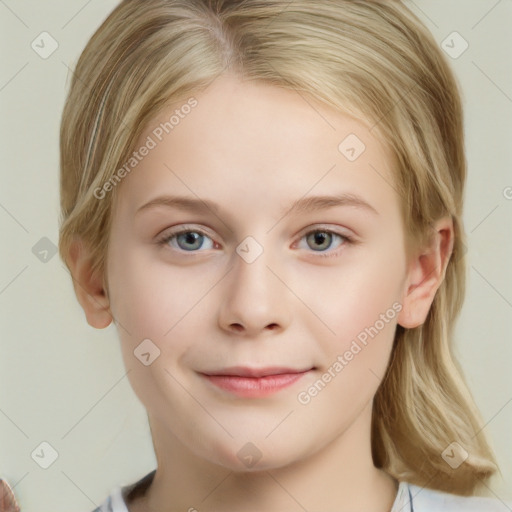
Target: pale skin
point(252, 150)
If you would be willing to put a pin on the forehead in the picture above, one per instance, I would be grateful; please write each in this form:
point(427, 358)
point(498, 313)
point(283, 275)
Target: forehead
point(254, 110)
point(259, 140)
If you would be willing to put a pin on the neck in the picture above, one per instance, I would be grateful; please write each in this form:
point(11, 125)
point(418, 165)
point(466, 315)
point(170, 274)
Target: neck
point(339, 477)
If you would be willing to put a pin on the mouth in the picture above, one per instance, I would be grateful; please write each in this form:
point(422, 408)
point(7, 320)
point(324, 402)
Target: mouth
point(255, 382)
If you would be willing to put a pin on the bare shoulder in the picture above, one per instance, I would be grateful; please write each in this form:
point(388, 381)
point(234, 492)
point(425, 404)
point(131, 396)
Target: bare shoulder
point(428, 500)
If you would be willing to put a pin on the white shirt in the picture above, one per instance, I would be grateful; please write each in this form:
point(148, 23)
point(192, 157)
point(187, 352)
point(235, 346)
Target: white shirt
point(409, 498)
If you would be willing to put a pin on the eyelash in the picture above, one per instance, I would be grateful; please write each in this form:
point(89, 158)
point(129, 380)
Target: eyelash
point(346, 240)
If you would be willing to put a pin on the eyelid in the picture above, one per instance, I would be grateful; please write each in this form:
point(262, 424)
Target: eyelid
point(329, 228)
point(174, 231)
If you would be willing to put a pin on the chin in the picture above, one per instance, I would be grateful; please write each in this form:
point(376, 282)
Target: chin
point(251, 457)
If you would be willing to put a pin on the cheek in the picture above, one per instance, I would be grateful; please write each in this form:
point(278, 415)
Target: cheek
point(149, 297)
point(358, 306)
point(361, 306)
point(153, 306)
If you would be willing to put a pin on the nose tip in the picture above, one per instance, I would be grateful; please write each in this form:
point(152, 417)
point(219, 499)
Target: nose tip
point(253, 300)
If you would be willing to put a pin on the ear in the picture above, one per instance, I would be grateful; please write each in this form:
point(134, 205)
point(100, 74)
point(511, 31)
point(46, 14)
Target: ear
point(89, 287)
point(426, 271)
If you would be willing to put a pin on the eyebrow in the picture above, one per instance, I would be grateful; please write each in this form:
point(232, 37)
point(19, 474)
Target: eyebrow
point(302, 205)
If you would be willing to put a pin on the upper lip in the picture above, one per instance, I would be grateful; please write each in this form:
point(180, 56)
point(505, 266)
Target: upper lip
point(244, 371)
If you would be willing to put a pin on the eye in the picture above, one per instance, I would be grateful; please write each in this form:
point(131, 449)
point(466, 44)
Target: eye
point(324, 241)
point(188, 240)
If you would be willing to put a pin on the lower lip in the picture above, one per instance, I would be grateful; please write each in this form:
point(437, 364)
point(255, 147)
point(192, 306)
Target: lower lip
point(254, 386)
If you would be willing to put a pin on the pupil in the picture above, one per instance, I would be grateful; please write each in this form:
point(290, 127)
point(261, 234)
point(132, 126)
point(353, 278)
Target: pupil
point(190, 239)
point(322, 240)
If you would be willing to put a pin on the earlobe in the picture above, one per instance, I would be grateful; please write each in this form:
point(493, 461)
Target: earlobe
point(425, 274)
point(89, 287)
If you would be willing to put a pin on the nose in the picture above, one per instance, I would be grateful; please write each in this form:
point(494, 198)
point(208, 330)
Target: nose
point(254, 300)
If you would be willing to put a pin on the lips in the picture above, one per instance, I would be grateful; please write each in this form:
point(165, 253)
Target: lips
point(254, 382)
point(243, 371)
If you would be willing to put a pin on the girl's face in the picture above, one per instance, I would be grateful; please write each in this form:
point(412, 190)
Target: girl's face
point(261, 235)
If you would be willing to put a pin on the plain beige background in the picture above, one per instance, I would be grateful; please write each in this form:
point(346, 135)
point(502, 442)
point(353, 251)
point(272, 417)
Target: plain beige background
point(63, 383)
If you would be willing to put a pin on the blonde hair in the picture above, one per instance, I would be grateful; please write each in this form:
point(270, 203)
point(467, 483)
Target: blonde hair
point(374, 60)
